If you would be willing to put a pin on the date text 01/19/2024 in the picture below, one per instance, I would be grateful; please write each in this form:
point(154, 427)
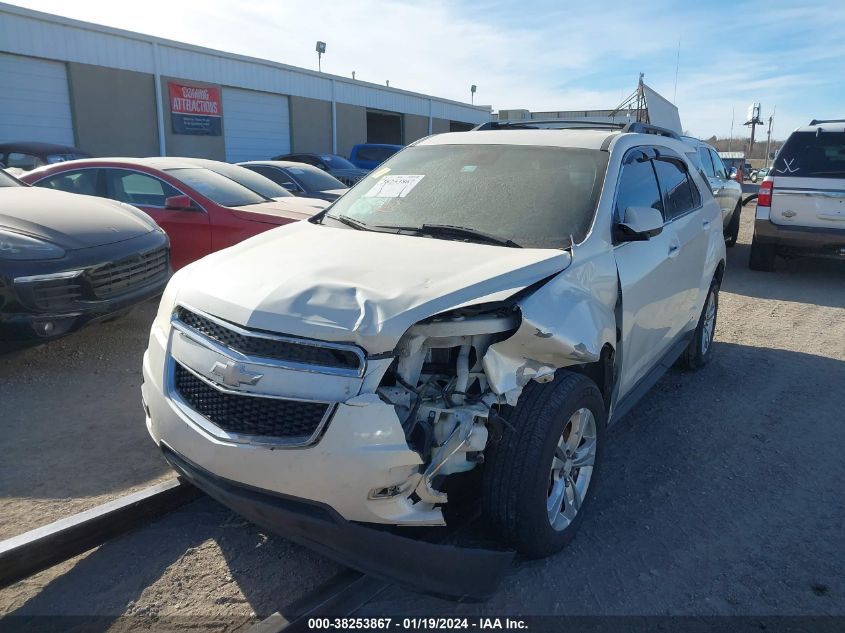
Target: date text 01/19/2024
point(417, 624)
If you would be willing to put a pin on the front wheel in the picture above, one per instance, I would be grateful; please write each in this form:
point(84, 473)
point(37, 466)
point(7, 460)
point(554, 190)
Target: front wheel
point(537, 477)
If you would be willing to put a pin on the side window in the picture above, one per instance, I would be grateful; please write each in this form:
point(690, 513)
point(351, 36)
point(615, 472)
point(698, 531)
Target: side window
point(718, 166)
point(136, 188)
point(637, 186)
point(82, 181)
point(679, 193)
point(276, 175)
point(23, 161)
point(706, 162)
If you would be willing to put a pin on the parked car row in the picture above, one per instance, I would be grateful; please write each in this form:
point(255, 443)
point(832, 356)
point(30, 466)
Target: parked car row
point(66, 260)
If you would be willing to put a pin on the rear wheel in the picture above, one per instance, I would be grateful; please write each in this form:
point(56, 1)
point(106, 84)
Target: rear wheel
point(762, 257)
point(700, 350)
point(732, 230)
point(753, 176)
point(537, 477)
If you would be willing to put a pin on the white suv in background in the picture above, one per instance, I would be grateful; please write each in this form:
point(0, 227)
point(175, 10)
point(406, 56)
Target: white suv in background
point(483, 301)
point(801, 203)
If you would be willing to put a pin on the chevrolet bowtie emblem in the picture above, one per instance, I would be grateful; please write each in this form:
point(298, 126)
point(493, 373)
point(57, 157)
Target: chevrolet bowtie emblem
point(234, 374)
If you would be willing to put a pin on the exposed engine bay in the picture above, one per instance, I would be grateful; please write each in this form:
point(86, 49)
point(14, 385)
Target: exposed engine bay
point(442, 395)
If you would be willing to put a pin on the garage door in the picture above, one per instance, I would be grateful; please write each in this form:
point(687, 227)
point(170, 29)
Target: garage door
point(256, 125)
point(35, 103)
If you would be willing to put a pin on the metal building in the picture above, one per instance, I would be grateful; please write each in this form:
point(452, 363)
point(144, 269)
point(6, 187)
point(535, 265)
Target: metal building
point(118, 93)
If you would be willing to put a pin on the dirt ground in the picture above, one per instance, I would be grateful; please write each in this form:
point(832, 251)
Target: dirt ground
point(721, 492)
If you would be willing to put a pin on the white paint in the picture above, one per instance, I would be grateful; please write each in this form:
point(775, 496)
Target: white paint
point(256, 125)
point(34, 101)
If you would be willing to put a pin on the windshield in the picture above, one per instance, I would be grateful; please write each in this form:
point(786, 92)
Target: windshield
point(313, 179)
point(6, 180)
point(336, 162)
point(819, 155)
point(536, 196)
point(252, 180)
point(216, 188)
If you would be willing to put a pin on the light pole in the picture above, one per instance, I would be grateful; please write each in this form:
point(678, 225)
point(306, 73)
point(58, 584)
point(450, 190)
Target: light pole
point(472, 90)
point(321, 48)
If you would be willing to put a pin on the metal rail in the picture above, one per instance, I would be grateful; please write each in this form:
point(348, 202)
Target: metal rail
point(38, 549)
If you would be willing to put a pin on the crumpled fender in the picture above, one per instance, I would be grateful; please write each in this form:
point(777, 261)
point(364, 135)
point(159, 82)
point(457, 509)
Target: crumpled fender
point(562, 325)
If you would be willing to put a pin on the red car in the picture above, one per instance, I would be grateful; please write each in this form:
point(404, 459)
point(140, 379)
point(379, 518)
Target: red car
point(199, 209)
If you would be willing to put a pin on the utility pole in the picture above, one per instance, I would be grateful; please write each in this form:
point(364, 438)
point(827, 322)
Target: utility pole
point(769, 136)
point(753, 120)
point(731, 139)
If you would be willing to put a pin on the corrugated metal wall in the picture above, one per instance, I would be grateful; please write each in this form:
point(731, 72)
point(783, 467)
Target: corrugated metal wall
point(26, 32)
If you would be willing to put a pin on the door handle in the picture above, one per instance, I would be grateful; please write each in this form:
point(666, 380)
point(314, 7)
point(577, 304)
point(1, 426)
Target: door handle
point(674, 248)
point(706, 224)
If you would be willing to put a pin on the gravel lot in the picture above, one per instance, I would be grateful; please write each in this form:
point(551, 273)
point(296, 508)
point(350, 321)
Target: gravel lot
point(721, 494)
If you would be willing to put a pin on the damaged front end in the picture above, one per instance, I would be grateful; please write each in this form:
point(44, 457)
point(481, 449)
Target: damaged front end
point(453, 372)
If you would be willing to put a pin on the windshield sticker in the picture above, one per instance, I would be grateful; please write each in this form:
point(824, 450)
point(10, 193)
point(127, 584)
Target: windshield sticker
point(380, 172)
point(469, 168)
point(298, 172)
point(788, 165)
point(395, 186)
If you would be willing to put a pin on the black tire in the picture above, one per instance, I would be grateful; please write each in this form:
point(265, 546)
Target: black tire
point(732, 230)
point(697, 354)
point(753, 177)
point(762, 257)
point(517, 471)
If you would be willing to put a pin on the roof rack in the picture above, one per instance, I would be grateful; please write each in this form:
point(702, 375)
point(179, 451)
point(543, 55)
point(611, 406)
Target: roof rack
point(817, 121)
point(576, 124)
point(548, 124)
point(647, 128)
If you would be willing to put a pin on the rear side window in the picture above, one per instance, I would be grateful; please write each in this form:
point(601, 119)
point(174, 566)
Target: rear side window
point(820, 155)
point(23, 161)
point(82, 181)
point(706, 162)
point(138, 189)
point(718, 165)
point(637, 188)
point(377, 154)
point(276, 175)
point(680, 195)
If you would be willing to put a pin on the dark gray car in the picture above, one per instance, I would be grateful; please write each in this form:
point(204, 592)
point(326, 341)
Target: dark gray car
point(299, 179)
point(337, 166)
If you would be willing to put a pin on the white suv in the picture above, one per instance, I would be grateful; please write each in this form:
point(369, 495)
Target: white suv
point(801, 202)
point(488, 300)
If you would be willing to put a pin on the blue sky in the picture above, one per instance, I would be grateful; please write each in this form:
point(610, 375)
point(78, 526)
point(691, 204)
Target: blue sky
point(536, 55)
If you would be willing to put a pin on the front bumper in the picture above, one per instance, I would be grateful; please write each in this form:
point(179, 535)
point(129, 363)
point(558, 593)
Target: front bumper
point(416, 564)
point(362, 447)
point(43, 300)
point(798, 239)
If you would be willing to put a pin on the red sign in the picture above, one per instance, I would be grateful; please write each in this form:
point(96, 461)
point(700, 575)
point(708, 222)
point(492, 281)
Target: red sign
point(195, 110)
point(194, 100)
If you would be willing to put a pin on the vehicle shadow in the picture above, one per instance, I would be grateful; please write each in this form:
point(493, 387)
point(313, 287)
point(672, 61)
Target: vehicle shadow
point(201, 567)
point(802, 280)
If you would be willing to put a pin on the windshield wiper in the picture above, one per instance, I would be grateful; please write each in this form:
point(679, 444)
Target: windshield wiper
point(457, 231)
point(345, 219)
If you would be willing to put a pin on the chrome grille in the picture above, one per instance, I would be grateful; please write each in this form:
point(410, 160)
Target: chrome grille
point(128, 274)
point(249, 415)
point(266, 345)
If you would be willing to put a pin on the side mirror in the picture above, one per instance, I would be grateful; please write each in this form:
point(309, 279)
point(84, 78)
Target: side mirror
point(640, 224)
point(179, 203)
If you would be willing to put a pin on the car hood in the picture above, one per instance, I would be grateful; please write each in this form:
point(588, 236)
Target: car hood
point(344, 285)
point(70, 220)
point(281, 210)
